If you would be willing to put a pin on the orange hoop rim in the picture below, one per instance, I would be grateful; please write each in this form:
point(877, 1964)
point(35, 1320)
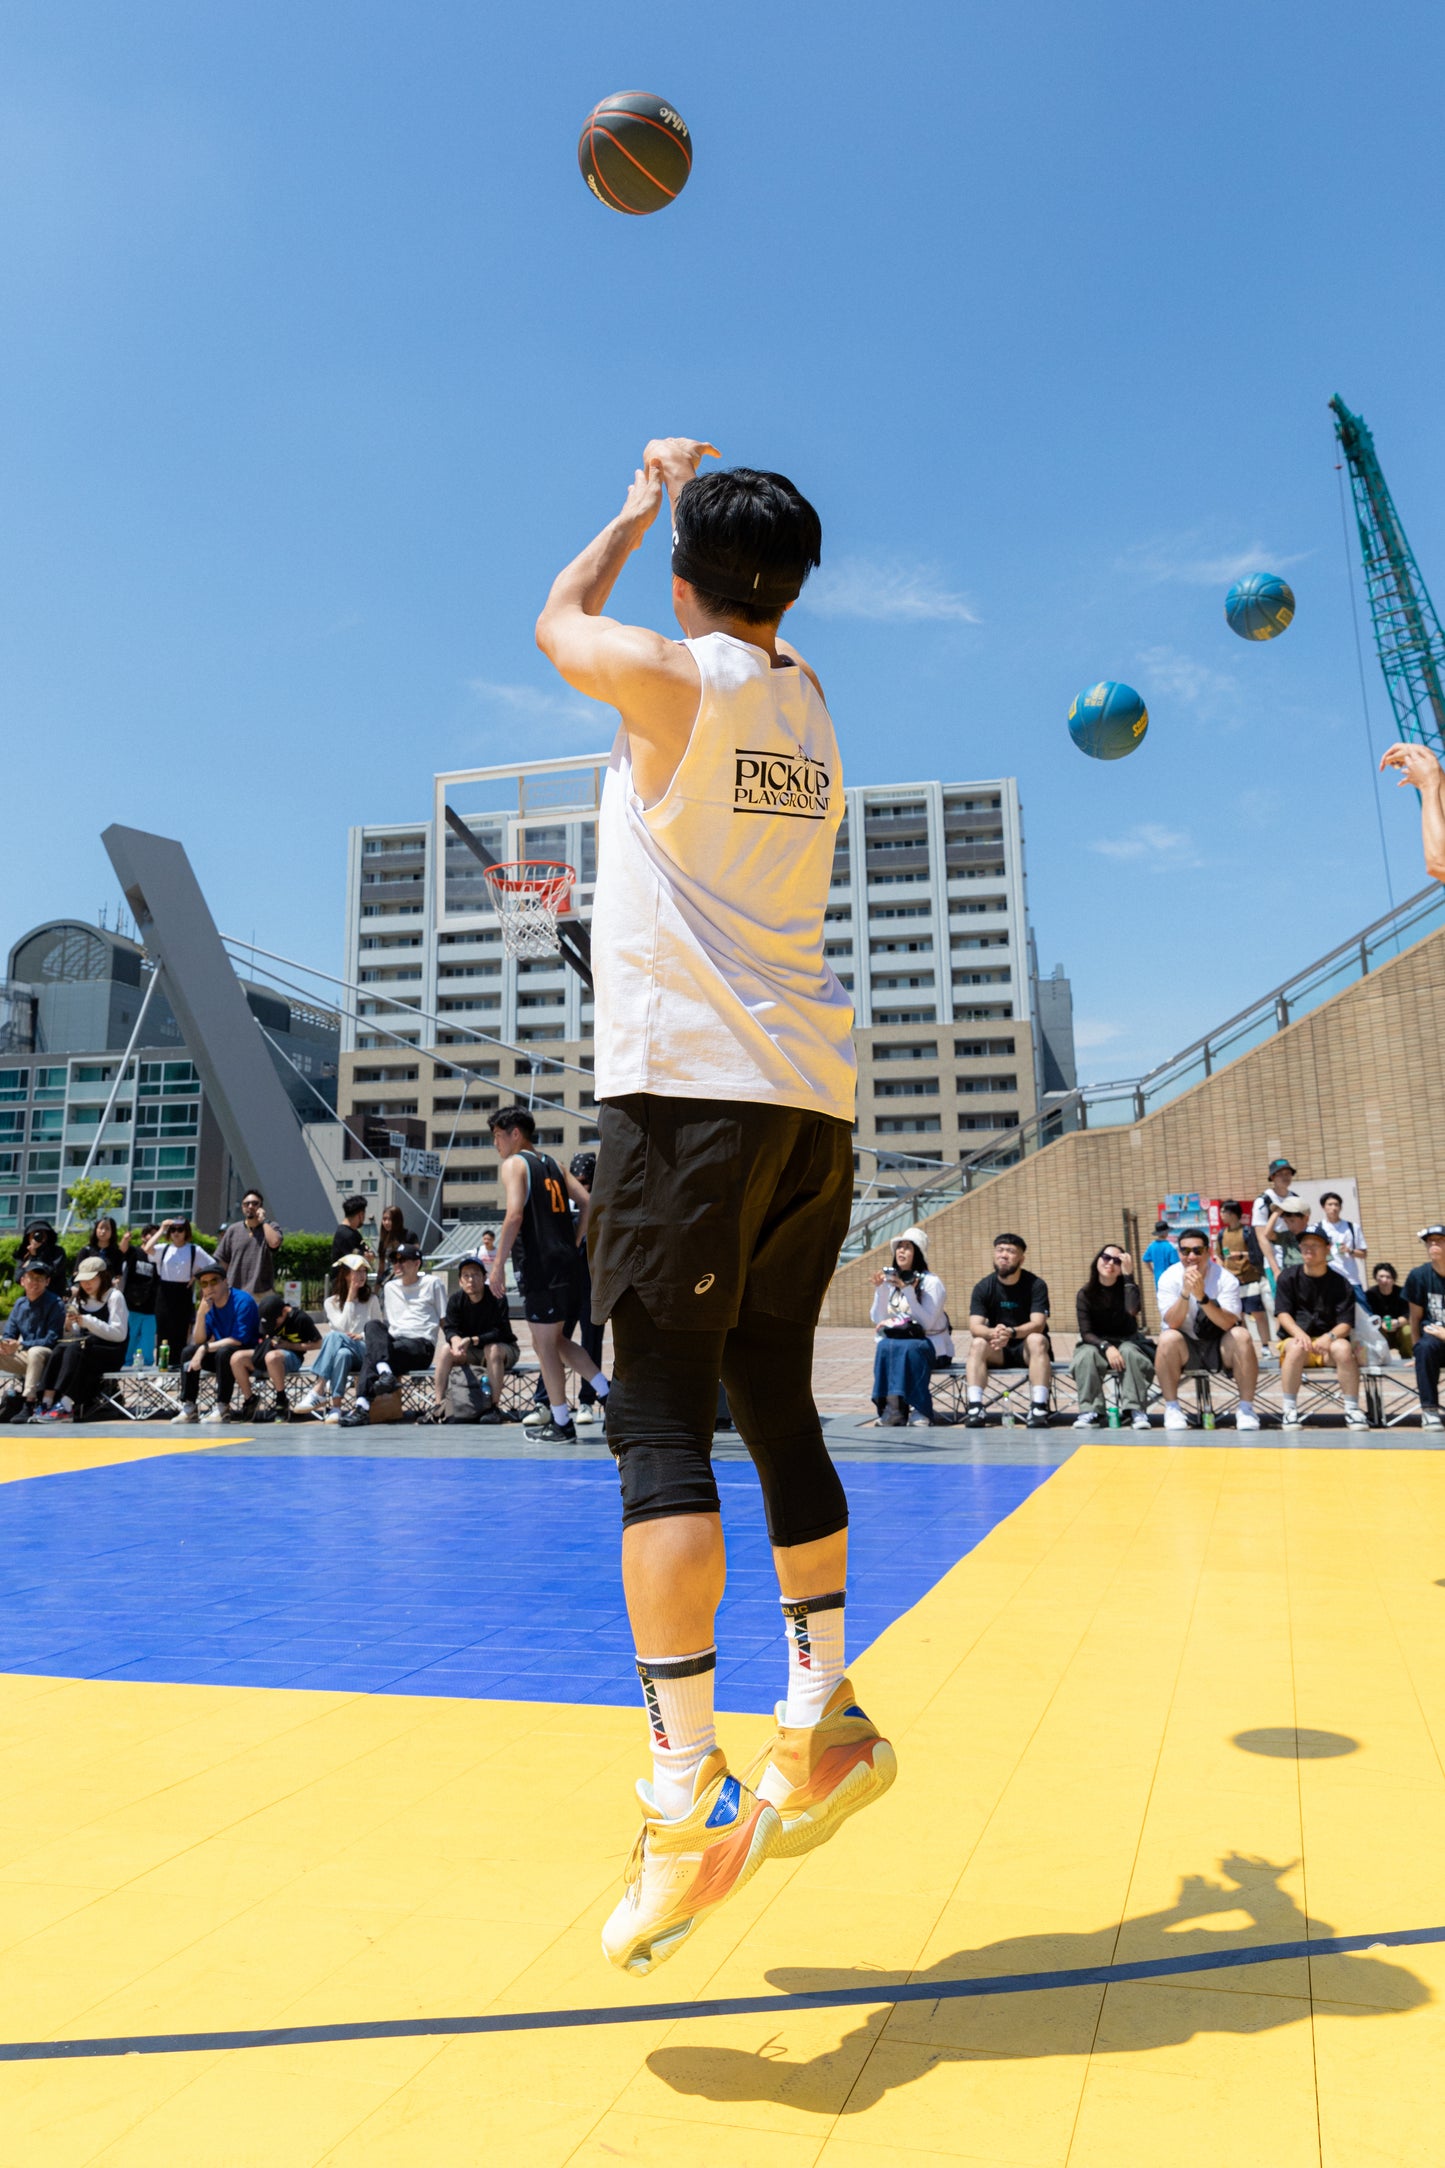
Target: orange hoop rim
point(548, 880)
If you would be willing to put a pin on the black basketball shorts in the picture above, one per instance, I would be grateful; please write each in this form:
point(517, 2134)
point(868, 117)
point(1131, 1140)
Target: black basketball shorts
point(550, 1295)
point(712, 1207)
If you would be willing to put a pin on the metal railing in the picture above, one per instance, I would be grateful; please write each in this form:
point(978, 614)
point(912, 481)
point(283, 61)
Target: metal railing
point(877, 1218)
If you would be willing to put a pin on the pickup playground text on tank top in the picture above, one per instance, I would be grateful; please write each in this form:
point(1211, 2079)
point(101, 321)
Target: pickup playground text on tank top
point(707, 924)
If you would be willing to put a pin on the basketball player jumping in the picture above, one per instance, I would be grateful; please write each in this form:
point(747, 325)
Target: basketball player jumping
point(725, 1088)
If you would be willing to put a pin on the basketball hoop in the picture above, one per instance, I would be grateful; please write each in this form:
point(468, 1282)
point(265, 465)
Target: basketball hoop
point(528, 895)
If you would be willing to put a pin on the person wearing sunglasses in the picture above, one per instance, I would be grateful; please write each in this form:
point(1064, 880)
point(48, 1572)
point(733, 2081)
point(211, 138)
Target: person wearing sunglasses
point(1109, 1309)
point(1201, 1308)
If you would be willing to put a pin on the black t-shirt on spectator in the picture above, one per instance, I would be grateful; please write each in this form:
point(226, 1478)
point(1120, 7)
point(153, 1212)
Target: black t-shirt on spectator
point(138, 1280)
point(1425, 1288)
point(1393, 1308)
point(347, 1242)
point(1317, 1304)
point(1108, 1315)
point(482, 1321)
point(1001, 1305)
point(296, 1330)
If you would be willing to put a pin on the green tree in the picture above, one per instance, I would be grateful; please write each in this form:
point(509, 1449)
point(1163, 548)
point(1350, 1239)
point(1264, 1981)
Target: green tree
point(91, 1197)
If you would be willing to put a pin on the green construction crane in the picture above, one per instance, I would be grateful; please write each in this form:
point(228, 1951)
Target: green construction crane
point(1408, 638)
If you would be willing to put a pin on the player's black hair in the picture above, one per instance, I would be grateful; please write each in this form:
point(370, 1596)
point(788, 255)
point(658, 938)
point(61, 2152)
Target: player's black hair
point(1017, 1241)
point(352, 1204)
point(515, 1118)
point(1192, 1234)
point(1231, 1204)
point(1339, 1200)
point(745, 541)
point(1385, 1266)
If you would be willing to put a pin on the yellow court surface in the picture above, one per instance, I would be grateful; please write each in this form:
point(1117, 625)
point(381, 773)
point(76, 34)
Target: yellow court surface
point(1181, 1702)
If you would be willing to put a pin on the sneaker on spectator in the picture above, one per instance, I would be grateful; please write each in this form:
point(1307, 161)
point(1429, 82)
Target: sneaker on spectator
point(351, 1418)
point(1141, 1421)
point(1292, 1420)
point(215, 1413)
point(555, 1434)
point(1175, 1419)
point(1037, 1419)
point(589, 1412)
point(1430, 1419)
point(974, 1420)
point(1246, 1419)
point(187, 1412)
point(1356, 1419)
point(316, 1402)
point(1086, 1419)
point(536, 1416)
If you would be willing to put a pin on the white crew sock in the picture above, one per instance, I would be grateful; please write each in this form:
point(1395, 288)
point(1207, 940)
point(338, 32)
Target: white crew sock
point(1040, 1396)
point(814, 1627)
point(1171, 1403)
point(1246, 1407)
point(678, 1692)
point(1290, 1402)
point(383, 1370)
point(562, 1416)
point(975, 1396)
point(1352, 1405)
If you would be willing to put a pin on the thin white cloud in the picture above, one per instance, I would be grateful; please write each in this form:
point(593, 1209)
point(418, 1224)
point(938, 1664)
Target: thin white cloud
point(1154, 848)
point(539, 703)
point(887, 593)
point(1189, 560)
point(1092, 1031)
point(1179, 676)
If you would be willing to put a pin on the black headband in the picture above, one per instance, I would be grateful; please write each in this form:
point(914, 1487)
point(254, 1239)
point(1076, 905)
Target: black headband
point(764, 590)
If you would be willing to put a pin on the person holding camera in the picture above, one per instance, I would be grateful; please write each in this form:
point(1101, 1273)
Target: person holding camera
point(913, 1334)
point(178, 1261)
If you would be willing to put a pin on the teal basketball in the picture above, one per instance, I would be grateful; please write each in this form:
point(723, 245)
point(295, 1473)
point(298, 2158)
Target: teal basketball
point(1108, 720)
point(1260, 607)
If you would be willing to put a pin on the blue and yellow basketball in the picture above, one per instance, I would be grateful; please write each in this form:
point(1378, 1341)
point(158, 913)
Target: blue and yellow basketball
point(1260, 607)
point(1108, 720)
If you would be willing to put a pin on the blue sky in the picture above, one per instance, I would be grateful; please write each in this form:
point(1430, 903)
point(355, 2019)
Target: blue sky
point(319, 359)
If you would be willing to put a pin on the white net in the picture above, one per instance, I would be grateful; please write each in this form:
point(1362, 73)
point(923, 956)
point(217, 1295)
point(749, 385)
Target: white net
point(527, 896)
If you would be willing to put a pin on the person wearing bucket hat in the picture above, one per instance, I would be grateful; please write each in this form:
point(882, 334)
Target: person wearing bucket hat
point(96, 1326)
point(1278, 1184)
point(912, 1333)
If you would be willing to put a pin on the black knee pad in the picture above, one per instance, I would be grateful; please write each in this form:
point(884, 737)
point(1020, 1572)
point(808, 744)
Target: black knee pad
point(659, 1428)
point(661, 1481)
point(803, 1493)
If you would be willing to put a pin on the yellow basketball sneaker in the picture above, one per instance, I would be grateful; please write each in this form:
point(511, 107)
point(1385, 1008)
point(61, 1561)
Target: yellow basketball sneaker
point(680, 1871)
point(816, 1777)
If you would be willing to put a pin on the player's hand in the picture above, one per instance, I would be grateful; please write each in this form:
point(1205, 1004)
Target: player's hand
point(675, 460)
point(1416, 763)
point(497, 1280)
point(641, 504)
point(1194, 1283)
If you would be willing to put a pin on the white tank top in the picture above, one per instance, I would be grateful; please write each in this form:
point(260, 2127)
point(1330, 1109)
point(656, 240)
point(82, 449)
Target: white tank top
point(707, 922)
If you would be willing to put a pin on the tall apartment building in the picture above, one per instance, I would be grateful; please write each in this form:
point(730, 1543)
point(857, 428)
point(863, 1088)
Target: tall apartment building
point(67, 1010)
point(927, 926)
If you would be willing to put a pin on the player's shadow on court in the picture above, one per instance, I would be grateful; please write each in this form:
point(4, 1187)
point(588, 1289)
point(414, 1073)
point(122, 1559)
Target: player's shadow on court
point(900, 2045)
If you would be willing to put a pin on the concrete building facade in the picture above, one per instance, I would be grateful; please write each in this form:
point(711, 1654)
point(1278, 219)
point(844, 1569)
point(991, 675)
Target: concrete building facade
point(927, 926)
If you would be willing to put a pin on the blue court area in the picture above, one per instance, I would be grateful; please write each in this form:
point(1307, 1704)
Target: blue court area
point(474, 1578)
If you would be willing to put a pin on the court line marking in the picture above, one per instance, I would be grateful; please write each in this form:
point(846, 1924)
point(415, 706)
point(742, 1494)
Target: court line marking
point(664, 2013)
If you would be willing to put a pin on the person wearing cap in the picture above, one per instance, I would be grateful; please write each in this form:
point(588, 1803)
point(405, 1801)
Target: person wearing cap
point(35, 1325)
point(228, 1323)
point(1271, 1200)
point(1314, 1314)
point(350, 1307)
point(912, 1334)
point(287, 1333)
point(408, 1334)
point(96, 1325)
point(1160, 1254)
point(1282, 1231)
point(1425, 1293)
point(476, 1327)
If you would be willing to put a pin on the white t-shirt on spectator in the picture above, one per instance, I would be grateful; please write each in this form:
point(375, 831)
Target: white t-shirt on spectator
point(1219, 1286)
point(1344, 1237)
point(178, 1262)
point(1263, 1206)
point(414, 1313)
point(351, 1317)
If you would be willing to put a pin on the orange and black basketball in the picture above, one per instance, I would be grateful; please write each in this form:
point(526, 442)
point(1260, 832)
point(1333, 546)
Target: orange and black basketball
point(635, 152)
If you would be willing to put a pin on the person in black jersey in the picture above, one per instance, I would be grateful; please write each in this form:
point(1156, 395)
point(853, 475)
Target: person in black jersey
point(540, 1229)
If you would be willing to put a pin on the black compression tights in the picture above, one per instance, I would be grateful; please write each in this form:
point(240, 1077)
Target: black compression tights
point(663, 1406)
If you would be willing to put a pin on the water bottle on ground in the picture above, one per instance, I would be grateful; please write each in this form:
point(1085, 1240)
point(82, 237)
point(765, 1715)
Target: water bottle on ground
point(163, 1355)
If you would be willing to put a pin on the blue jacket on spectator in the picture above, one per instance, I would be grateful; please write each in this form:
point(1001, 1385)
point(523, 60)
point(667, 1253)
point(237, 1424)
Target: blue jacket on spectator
point(37, 1324)
point(237, 1318)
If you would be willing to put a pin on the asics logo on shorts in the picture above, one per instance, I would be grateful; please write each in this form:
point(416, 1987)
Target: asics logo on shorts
point(704, 1283)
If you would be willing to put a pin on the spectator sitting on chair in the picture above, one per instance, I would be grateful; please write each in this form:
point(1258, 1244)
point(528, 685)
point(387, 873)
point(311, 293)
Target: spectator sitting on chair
point(1314, 1314)
point(412, 1305)
point(96, 1323)
point(138, 1283)
point(348, 1240)
point(1425, 1293)
point(36, 1323)
point(1161, 1253)
point(286, 1334)
point(1008, 1315)
point(476, 1327)
point(1239, 1253)
point(247, 1249)
point(1270, 1199)
point(41, 1243)
point(1348, 1246)
point(912, 1334)
point(1200, 1306)
point(1390, 1307)
point(1110, 1310)
point(350, 1308)
point(228, 1323)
